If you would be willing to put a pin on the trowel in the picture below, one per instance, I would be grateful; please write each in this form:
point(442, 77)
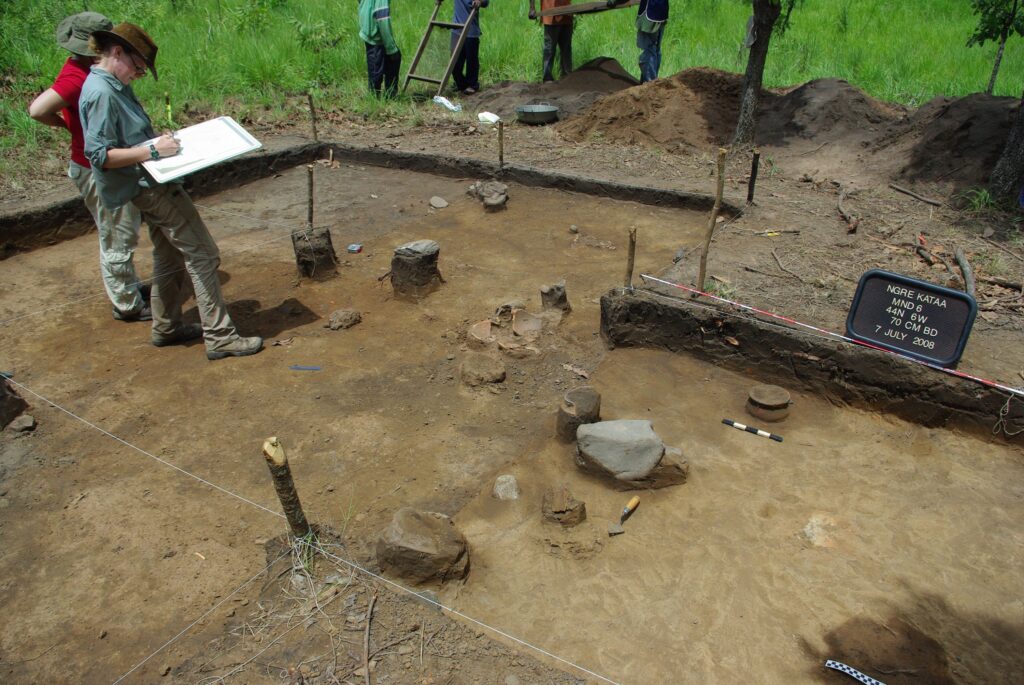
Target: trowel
point(616, 528)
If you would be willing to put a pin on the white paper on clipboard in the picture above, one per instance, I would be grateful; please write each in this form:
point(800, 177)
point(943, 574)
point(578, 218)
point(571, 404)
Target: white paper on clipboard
point(202, 145)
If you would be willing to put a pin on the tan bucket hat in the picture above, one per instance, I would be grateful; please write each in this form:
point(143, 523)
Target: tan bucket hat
point(135, 39)
point(73, 32)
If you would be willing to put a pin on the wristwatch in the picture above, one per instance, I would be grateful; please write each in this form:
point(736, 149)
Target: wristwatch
point(153, 154)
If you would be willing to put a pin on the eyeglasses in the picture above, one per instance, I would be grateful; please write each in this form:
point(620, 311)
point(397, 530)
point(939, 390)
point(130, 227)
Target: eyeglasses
point(140, 70)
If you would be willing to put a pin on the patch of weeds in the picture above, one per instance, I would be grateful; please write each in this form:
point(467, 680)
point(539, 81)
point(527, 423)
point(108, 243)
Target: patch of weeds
point(993, 264)
point(726, 291)
point(772, 167)
point(978, 201)
point(313, 35)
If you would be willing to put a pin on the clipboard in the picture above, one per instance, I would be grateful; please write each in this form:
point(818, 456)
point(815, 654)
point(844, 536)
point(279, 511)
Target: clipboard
point(202, 146)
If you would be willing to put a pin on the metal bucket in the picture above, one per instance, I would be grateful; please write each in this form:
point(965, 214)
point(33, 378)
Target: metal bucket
point(537, 114)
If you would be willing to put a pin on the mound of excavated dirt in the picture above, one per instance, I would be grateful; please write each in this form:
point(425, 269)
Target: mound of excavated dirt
point(826, 125)
point(573, 93)
point(696, 108)
point(959, 139)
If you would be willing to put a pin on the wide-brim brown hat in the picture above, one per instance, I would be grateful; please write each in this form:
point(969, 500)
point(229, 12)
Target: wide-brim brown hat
point(73, 32)
point(135, 39)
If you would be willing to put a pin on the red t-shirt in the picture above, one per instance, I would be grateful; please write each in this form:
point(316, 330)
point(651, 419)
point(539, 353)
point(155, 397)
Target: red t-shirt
point(69, 86)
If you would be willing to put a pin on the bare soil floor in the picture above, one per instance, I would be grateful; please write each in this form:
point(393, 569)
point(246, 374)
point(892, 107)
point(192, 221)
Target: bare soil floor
point(892, 547)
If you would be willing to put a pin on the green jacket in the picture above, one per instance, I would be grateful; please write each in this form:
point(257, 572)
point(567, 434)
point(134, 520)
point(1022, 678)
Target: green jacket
point(375, 24)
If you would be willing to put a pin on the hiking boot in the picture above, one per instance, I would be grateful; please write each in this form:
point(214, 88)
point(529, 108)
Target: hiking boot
point(186, 332)
point(239, 347)
point(144, 314)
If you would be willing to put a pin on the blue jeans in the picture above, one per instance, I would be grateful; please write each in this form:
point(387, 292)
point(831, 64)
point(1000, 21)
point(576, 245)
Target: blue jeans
point(650, 53)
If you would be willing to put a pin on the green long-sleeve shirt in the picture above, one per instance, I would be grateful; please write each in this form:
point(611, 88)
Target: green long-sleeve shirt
point(375, 24)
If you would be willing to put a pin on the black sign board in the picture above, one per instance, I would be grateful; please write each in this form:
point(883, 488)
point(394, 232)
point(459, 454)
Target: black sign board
point(921, 320)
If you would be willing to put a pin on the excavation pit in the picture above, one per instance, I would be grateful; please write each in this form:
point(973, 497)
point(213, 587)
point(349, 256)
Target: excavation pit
point(766, 559)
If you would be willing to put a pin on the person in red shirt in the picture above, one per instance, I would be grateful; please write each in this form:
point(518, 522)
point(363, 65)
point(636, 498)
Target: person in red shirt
point(557, 34)
point(118, 229)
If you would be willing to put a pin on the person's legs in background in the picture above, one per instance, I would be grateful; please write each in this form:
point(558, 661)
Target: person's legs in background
point(550, 42)
point(650, 53)
point(565, 48)
point(471, 51)
point(392, 67)
point(375, 67)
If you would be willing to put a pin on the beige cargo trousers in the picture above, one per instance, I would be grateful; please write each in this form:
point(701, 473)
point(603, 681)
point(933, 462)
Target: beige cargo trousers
point(183, 250)
point(119, 236)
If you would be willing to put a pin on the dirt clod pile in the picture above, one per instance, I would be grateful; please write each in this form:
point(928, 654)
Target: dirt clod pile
point(571, 94)
point(826, 124)
point(960, 138)
point(697, 108)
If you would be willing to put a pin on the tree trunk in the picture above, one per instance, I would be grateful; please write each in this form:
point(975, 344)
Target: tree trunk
point(766, 13)
point(995, 67)
point(1008, 175)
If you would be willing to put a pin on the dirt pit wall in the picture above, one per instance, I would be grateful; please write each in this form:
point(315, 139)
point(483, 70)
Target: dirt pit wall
point(839, 371)
point(67, 219)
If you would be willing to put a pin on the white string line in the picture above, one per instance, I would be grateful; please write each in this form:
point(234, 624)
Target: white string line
point(208, 612)
point(828, 335)
point(142, 451)
point(456, 612)
point(102, 293)
point(351, 564)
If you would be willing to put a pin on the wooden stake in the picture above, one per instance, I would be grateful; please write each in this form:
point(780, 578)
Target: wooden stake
point(754, 166)
point(720, 189)
point(501, 143)
point(309, 200)
point(312, 115)
point(281, 473)
point(630, 258)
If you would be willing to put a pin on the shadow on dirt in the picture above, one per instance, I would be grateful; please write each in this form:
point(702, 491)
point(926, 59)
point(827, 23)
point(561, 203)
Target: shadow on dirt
point(273, 321)
point(927, 641)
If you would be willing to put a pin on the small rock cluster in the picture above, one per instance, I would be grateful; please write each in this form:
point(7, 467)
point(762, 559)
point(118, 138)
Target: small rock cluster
point(493, 194)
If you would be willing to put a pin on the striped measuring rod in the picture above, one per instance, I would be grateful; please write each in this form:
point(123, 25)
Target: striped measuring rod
point(750, 429)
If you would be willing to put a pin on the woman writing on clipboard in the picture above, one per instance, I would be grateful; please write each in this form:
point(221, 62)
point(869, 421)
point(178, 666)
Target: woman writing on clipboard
point(117, 130)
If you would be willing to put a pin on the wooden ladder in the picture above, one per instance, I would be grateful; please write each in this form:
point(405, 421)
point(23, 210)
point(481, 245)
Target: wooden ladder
point(431, 25)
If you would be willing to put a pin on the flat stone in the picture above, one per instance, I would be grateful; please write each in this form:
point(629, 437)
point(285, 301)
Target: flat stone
point(438, 202)
point(559, 506)
point(479, 369)
point(626, 449)
point(418, 248)
point(423, 546)
point(343, 318)
point(22, 424)
point(505, 488)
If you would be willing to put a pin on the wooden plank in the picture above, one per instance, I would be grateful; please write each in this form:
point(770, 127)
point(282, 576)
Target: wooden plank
point(584, 8)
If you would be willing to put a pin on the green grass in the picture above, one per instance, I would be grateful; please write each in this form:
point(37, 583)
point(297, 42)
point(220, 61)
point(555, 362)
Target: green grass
point(244, 56)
